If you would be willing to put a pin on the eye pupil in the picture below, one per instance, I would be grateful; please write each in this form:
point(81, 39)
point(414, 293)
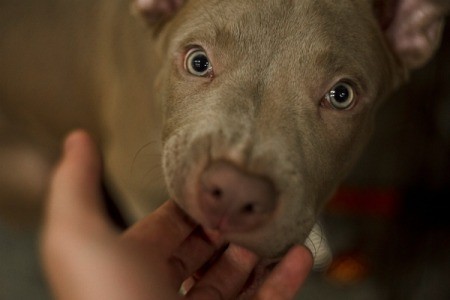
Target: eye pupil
point(197, 63)
point(340, 93)
point(200, 63)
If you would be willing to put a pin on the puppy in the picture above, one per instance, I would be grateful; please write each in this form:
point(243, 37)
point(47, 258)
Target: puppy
point(252, 111)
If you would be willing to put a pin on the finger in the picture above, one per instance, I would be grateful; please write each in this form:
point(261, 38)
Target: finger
point(75, 199)
point(287, 278)
point(192, 254)
point(165, 229)
point(227, 277)
point(74, 211)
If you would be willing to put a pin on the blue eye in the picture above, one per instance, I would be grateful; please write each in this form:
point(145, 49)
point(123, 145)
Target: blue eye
point(341, 96)
point(197, 63)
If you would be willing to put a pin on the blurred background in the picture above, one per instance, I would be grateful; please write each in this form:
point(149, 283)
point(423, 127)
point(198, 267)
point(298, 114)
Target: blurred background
point(388, 227)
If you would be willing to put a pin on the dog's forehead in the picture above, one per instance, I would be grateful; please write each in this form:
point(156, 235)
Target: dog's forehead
point(299, 35)
point(259, 19)
point(262, 25)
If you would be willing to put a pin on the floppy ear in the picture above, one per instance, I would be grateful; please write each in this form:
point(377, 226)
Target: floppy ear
point(154, 11)
point(413, 28)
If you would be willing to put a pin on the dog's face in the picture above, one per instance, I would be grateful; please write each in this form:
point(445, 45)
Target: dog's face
point(283, 91)
point(277, 95)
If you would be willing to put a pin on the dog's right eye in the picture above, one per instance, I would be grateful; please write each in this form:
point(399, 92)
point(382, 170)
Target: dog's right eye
point(197, 63)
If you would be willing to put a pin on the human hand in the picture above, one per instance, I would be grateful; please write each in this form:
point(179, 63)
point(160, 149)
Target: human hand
point(86, 257)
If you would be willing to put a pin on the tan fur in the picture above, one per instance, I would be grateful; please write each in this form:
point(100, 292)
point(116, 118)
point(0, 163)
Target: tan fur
point(91, 64)
point(262, 111)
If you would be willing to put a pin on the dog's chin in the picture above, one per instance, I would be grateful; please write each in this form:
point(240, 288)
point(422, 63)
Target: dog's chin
point(264, 251)
point(251, 240)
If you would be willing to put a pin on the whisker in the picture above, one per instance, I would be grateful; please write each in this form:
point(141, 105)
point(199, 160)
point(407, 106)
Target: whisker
point(141, 149)
point(151, 171)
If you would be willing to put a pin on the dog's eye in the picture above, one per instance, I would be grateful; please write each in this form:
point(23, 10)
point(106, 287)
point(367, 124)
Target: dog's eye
point(197, 63)
point(341, 96)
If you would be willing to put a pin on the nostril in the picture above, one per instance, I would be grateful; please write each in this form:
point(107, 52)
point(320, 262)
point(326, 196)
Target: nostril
point(217, 193)
point(248, 209)
point(233, 199)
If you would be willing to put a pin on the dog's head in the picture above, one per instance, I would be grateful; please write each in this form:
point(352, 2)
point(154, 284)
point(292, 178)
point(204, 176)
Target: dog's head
point(267, 105)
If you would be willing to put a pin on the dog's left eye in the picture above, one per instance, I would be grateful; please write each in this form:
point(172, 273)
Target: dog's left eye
point(197, 63)
point(341, 96)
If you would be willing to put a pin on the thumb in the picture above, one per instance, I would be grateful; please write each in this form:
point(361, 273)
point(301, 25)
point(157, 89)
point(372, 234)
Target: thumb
point(288, 277)
point(75, 198)
point(75, 221)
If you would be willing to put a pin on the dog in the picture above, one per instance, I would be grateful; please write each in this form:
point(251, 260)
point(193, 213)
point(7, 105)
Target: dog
point(252, 111)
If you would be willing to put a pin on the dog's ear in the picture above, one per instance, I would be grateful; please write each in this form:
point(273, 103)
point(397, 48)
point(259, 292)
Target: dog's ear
point(413, 28)
point(155, 11)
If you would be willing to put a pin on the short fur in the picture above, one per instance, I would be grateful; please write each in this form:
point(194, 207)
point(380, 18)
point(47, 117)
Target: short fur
point(91, 64)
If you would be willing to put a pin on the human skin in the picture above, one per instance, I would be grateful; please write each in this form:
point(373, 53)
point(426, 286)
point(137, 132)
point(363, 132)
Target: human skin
point(86, 257)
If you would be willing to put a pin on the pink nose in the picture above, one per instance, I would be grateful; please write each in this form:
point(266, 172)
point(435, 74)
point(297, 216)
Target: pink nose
point(234, 201)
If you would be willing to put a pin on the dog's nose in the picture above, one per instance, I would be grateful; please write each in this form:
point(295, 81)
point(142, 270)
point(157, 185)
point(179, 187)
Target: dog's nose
point(234, 201)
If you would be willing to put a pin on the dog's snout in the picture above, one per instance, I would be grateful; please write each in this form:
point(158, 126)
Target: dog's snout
point(232, 200)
